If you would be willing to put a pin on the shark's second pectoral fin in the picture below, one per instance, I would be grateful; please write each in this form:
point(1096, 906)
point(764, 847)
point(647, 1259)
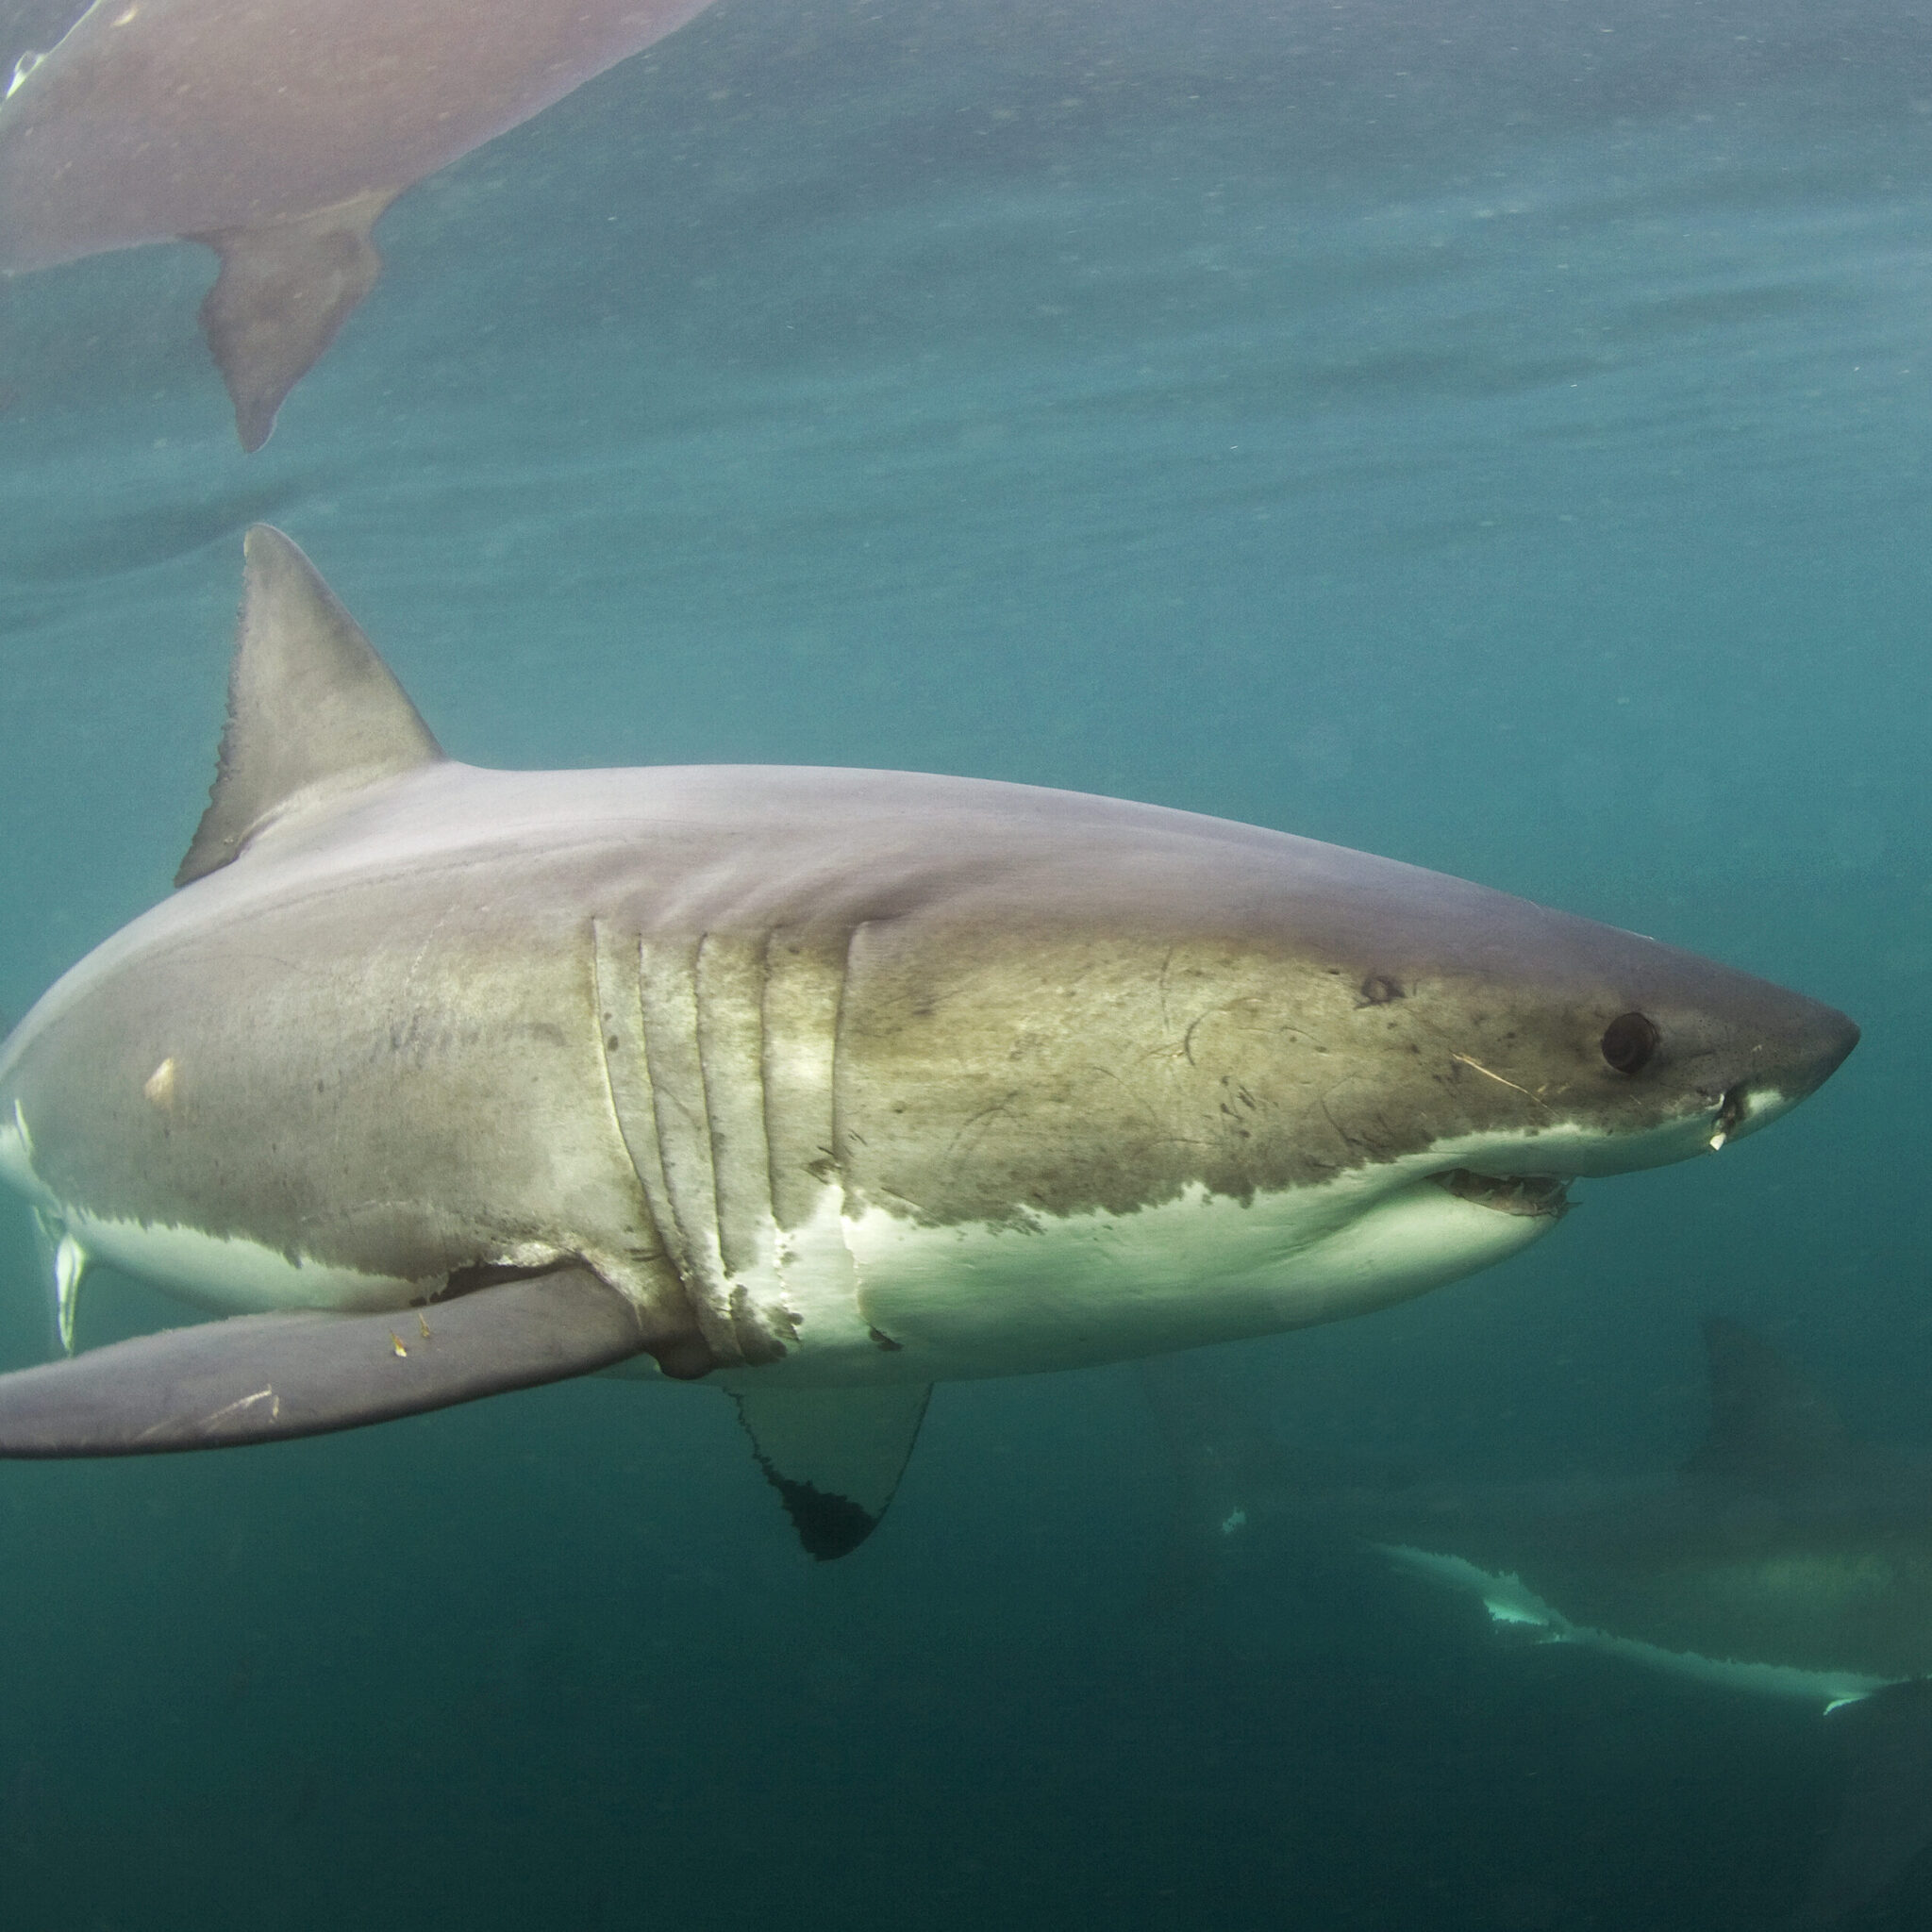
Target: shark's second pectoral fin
point(284, 290)
point(835, 1456)
point(260, 1378)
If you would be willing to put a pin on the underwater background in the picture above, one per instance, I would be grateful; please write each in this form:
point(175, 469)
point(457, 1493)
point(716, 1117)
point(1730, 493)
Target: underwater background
point(1494, 436)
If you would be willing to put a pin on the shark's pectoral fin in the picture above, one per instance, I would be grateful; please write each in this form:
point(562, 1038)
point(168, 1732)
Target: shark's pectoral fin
point(258, 1378)
point(284, 290)
point(834, 1455)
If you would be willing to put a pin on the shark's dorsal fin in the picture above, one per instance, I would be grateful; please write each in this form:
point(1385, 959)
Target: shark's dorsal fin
point(312, 711)
point(835, 1456)
point(1768, 1429)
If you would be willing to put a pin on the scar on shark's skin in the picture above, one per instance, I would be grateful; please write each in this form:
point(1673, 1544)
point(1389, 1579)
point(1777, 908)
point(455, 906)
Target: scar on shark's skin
point(1488, 1074)
point(267, 1396)
point(278, 136)
point(238, 1407)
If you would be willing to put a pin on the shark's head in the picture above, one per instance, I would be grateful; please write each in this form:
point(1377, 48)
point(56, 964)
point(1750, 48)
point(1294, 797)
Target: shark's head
point(1460, 1057)
point(1120, 1004)
point(1536, 1043)
point(1214, 1081)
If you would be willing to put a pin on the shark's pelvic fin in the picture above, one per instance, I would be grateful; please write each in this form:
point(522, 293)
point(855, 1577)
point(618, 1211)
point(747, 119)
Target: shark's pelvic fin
point(260, 1378)
point(1768, 1429)
point(312, 711)
point(283, 291)
point(835, 1456)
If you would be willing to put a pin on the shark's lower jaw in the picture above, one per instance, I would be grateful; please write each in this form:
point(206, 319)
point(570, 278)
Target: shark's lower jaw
point(1534, 1194)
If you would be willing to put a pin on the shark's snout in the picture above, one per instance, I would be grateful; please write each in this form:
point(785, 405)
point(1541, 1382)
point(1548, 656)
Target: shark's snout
point(1788, 1063)
point(1828, 1041)
point(1684, 1056)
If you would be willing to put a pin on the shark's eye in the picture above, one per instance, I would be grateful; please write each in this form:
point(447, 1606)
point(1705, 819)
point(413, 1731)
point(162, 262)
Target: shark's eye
point(1629, 1040)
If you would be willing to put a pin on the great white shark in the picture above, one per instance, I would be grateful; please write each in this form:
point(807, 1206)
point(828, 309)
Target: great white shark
point(1786, 1559)
point(278, 135)
point(822, 1085)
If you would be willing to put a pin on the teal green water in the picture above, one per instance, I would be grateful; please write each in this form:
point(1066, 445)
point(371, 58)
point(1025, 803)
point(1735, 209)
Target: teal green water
point(1498, 442)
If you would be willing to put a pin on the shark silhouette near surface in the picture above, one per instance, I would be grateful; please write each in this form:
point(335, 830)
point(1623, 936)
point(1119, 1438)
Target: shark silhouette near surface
point(278, 135)
point(1785, 1558)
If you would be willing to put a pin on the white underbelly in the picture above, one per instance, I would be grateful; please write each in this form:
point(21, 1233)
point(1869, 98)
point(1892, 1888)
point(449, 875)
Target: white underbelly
point(227, 1275)
point(877, 1296)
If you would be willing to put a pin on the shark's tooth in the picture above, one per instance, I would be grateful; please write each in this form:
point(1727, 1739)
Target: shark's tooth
point(1733, 1112)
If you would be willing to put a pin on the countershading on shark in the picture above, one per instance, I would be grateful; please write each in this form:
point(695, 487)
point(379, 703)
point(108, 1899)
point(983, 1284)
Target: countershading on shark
point(822, 1085)
point(278, 136)
point(1785, 1558)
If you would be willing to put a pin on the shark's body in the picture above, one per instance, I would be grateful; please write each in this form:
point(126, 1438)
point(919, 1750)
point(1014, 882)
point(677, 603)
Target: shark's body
point(836, 1079)
point(277, 134)
point(1785, 1560)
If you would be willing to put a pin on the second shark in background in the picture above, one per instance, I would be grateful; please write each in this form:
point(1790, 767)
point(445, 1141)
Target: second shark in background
point(1785, 1558)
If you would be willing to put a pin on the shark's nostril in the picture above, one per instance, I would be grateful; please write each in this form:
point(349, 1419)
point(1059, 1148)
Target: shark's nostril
point(1844, 1037)
point(1800, 1057)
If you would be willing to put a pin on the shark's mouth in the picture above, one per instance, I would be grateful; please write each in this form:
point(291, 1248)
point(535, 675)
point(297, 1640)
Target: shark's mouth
point(1533, 1194)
